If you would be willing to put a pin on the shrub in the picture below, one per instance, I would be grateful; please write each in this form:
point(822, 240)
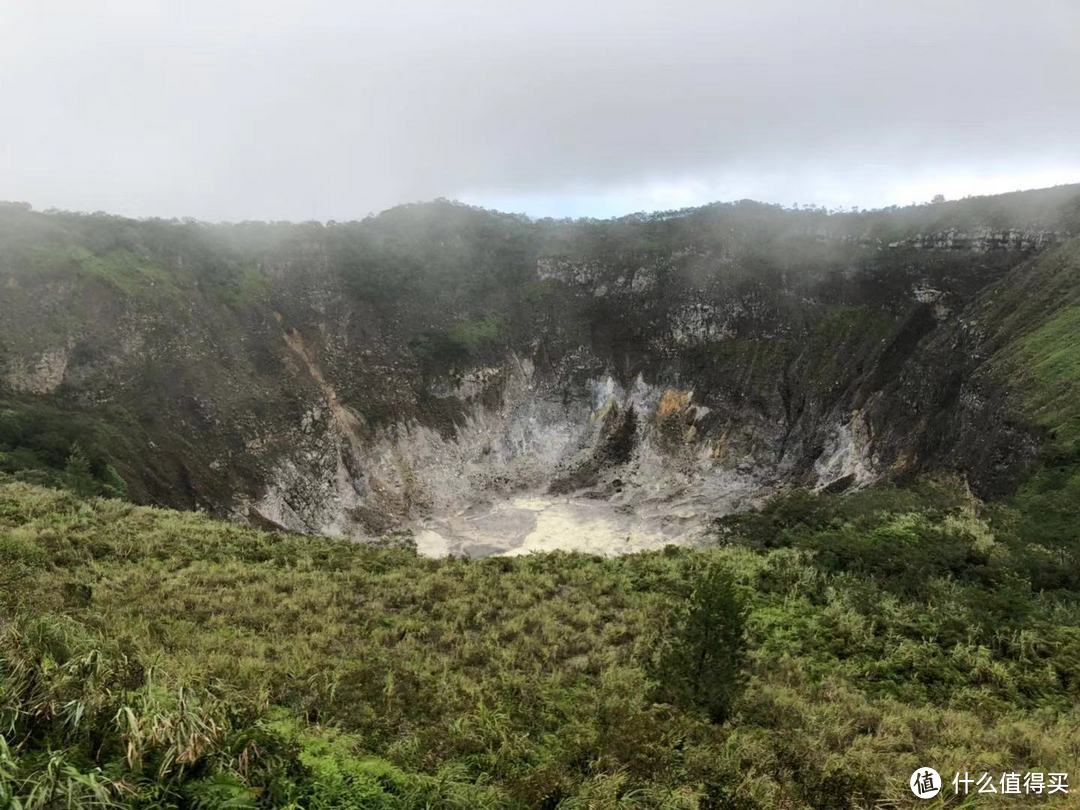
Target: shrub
point(701, 665)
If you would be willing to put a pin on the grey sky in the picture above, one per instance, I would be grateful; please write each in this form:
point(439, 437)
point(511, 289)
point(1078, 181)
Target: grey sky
point(240, 109)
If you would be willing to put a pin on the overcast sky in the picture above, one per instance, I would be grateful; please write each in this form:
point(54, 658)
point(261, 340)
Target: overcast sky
point(256, 109)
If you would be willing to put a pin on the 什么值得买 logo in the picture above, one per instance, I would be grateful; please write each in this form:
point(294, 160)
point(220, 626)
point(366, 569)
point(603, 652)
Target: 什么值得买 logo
point(925, 783)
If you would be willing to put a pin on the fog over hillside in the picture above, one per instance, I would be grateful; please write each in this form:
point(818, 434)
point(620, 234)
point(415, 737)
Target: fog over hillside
point(451, 370)
point(535, 404)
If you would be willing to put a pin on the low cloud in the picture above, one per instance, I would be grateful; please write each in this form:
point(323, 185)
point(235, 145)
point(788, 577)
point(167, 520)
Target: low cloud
point(337, 109)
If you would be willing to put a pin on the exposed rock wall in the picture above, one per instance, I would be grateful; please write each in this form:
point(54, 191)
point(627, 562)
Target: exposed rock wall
point(360, 378)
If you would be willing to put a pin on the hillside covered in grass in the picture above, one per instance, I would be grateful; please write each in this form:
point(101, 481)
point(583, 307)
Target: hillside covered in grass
point(152, 658)
point(907, 598)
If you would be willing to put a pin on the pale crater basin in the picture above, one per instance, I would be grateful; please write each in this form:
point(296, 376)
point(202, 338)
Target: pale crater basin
point(538, 523)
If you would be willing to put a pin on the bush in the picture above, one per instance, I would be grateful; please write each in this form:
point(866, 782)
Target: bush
point(151, 658)
point(55, 449)
point(701, 665)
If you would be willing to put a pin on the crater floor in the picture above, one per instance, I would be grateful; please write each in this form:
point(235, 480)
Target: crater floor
point(528, 523)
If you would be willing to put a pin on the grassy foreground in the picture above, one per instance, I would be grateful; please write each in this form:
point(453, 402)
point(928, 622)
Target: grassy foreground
point(161, 659)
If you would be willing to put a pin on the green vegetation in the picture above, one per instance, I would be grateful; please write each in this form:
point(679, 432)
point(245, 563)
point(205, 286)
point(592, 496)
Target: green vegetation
point(1033, 315)
point(479, 334)
point(701, 665)
point(127, 272)
point(160, 659)
point(1050, 356)
point(465, 343)
point(812, 656)
point(121, 269)
point(43, 446)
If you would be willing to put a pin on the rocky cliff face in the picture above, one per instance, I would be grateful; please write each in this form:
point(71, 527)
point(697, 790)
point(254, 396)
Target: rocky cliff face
point(426, 367)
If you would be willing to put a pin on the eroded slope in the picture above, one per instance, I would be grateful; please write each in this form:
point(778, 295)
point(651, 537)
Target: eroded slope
point(437, 366)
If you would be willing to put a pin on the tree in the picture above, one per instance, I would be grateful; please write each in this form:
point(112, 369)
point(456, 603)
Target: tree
point(701, 664)
point(78, 476)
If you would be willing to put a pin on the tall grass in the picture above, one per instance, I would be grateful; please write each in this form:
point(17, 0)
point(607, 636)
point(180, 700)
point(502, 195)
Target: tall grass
point(160, 659)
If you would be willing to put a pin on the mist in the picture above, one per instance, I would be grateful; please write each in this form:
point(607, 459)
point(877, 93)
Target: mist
point(334, 110)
